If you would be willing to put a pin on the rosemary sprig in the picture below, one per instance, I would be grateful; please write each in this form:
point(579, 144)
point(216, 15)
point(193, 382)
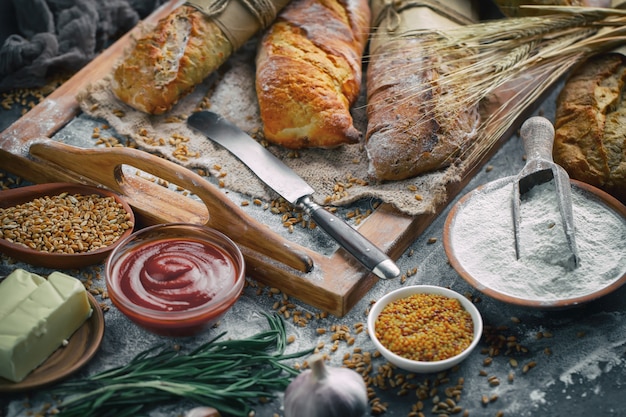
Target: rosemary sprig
point(229, 375)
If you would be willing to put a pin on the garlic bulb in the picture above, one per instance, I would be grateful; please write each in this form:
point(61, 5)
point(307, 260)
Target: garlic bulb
point(202, 412)
point(325, 391)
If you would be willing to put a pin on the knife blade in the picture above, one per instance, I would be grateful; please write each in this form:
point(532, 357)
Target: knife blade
point(289, 185)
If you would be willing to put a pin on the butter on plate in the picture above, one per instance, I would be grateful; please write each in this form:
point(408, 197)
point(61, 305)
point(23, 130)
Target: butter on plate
point(36, 316)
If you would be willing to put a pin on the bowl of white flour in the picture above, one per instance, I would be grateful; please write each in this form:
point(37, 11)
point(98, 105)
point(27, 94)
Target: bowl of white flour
point(480, 244)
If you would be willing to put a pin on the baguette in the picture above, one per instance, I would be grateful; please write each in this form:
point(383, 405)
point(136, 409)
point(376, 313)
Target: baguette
point(168, 62)
point(309, 73)
point(410, 128)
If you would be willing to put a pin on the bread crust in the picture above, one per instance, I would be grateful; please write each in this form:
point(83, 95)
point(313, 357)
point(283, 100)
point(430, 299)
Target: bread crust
point(590, 124)
point(168, 62)
point(308, 73)
point(409, 132)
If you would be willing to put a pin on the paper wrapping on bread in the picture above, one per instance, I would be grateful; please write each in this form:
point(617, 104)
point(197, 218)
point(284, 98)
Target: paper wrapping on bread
point(309, 73)
point(410, 131)
point(183, 49)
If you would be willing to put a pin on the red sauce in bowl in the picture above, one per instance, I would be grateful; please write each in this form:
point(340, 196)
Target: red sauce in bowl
point(175, 274)
point(175, 279)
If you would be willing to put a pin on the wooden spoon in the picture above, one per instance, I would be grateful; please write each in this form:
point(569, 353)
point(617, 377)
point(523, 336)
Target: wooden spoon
point(106, 166)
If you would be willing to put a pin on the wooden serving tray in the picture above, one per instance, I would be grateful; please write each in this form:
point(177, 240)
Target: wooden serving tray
point(336, 283)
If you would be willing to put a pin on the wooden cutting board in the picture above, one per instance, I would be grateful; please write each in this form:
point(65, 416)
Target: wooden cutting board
point(334, 284)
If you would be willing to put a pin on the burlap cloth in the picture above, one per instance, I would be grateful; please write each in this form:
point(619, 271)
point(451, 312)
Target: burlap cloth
point(338, 176)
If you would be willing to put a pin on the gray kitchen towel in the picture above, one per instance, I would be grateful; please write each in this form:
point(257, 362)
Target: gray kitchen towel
point(41, 37)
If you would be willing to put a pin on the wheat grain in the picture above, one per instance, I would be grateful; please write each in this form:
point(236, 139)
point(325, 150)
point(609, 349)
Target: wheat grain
point(516, 58)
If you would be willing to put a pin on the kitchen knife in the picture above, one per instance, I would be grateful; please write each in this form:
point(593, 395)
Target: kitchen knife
point(278, 176)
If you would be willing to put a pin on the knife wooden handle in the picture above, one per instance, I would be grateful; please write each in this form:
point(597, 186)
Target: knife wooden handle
point(351, 240)
point(105, 166)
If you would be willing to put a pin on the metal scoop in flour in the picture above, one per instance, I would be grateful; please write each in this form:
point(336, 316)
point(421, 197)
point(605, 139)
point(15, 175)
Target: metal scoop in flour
point(538, 136)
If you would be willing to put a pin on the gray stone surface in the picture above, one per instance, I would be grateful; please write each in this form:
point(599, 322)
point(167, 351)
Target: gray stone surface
point(580, 369)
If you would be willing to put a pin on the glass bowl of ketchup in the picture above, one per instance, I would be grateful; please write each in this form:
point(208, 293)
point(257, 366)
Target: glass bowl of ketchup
point(175, 279)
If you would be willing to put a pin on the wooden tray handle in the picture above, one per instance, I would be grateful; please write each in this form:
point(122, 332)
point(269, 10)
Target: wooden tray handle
point(106, 166)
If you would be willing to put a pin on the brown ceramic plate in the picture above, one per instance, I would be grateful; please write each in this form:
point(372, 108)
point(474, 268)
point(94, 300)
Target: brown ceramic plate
point(13, 197)
point(82, 346)
point(477, 282)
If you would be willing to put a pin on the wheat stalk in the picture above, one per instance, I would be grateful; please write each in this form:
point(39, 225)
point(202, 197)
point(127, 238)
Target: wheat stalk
point(522, 56)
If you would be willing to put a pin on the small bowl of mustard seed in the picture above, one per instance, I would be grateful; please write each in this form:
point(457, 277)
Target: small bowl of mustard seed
point(424, 328)
point(62, 225)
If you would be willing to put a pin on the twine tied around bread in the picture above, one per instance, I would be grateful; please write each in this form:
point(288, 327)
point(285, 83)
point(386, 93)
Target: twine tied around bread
point(239, 19)
point(263, 10)
point(391, 10)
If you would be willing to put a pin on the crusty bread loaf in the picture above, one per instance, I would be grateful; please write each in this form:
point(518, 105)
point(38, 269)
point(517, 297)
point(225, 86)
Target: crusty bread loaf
point(309, 72)
point(590, 124)
point(406, 135)
point(165, 64)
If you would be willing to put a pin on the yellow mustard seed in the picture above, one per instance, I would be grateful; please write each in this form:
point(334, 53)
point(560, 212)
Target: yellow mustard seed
point(425, 327)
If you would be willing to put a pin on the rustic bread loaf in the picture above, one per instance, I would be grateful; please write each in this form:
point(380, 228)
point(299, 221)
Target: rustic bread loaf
point(309, 73)
point(165, 64)
point(590, 124)
point(410, 131)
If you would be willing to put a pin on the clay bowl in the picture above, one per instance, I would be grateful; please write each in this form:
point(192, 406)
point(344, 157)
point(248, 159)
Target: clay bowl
point(58, 260)
point(175, 279)
point(454, 247)
point(415, 365)
point(82, 346)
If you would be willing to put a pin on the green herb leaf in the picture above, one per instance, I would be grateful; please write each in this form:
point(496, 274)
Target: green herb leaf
point(229, 375)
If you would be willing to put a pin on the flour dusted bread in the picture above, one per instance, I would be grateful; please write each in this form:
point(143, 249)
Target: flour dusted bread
point(165, 64)
point(309, 72)
point(590, 124)
point(414, 123)
point(409, 131)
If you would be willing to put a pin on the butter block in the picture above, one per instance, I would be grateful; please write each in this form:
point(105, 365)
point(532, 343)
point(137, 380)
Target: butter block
point(40, 323)
point(15, 288)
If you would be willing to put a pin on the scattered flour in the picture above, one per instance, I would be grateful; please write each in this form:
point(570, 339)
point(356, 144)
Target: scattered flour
point(538, 396)
point(594, 363)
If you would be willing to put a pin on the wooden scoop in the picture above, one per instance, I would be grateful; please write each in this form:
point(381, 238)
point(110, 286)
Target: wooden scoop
point(110, 167)
point(538, 136)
